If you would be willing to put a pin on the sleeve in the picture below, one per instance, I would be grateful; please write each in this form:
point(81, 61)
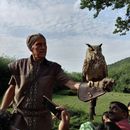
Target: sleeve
point(61, 76)
point(13, 68)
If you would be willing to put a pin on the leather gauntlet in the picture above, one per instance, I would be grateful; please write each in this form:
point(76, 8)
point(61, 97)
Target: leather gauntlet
point(90, 90)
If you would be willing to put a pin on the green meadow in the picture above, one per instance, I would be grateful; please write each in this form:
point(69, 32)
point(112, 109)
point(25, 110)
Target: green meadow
point(81, 109)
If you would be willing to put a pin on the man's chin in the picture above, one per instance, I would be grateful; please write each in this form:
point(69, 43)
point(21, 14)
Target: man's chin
point(113, 118)
point(41, 56)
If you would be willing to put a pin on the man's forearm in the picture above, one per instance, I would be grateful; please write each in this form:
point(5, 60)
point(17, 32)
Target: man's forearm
point(8, 97)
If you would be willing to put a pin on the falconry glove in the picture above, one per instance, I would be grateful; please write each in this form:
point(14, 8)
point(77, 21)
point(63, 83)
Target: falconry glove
point(89, 90)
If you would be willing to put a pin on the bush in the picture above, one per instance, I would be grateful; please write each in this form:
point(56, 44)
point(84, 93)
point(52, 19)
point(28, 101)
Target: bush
point(4, 74)
point(119, 71)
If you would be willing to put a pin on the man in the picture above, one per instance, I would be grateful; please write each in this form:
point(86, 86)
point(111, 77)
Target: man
point(107, 124)
point(31, 79)
point(118, 113)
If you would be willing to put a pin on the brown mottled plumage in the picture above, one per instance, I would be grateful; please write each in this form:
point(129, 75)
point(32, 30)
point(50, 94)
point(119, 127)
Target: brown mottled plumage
point(94, 69)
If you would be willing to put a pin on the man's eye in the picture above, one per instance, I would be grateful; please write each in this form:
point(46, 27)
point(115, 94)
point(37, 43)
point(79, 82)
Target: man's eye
point(38, 45)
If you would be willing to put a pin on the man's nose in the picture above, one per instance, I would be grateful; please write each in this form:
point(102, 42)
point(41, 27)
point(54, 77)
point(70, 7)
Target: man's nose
point(110, 113)
point(43, 47)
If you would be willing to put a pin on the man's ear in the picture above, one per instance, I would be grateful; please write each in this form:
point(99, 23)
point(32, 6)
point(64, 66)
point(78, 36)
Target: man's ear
point(31, 49)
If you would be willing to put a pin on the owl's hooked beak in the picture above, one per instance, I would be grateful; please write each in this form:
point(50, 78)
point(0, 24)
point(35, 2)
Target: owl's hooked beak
point(95, 52)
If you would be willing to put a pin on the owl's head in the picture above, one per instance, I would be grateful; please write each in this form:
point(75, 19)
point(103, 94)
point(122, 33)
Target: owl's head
point(94, 50)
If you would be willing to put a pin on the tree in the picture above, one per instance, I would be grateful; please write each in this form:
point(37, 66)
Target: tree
point(122, 24)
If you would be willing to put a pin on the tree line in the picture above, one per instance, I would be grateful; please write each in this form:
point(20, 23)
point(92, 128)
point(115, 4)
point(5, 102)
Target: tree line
point(119, 71)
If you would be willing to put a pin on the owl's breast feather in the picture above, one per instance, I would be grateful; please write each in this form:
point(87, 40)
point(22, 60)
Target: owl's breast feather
point(96, 66)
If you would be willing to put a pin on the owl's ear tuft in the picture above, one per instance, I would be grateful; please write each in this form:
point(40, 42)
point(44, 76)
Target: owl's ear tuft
point(100, 45)
point(89, 45)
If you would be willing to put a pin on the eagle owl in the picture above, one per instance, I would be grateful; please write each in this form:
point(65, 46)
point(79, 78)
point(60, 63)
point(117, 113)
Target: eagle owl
point(94, 67)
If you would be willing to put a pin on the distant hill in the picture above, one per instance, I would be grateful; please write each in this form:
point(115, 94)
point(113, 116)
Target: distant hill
point(120, 71)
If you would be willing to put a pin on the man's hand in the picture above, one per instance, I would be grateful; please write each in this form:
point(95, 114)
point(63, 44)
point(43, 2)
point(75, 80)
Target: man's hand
point(64, 123)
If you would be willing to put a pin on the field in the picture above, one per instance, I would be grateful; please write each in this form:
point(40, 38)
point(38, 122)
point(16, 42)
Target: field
point(74, 104)
point(79, 110)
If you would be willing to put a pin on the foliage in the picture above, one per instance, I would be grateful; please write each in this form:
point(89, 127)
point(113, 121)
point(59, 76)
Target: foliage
point(122, 25)
point(4, 73)
point(120, 71)
point(75, 76)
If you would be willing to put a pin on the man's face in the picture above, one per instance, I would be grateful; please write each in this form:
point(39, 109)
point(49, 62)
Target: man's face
point(39, 49)
point(116, 113)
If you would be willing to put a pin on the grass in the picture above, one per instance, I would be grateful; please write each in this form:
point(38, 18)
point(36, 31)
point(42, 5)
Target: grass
point(73, 102)
point(79, 109)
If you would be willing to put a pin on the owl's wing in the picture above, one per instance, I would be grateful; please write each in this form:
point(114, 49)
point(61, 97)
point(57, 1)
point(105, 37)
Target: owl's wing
point(85, 70)
point(106, 68)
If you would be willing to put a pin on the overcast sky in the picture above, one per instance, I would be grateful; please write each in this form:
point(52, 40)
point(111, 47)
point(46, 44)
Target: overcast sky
point(66, 27)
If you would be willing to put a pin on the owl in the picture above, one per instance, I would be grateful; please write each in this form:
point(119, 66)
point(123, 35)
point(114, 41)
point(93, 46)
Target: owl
point(94, 67)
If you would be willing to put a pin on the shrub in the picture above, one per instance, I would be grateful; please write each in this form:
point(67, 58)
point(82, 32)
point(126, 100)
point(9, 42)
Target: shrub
point(4, 74)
